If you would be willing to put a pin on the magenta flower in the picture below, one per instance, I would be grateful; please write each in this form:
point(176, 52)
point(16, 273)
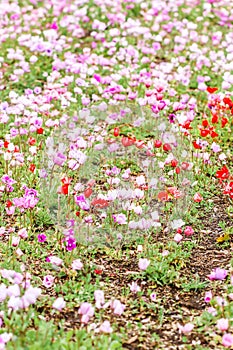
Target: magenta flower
point(143, 264)
point(41, 238)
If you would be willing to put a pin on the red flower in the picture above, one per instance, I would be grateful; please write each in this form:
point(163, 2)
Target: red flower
point(116, 132)
point(8, 203)
point(31, 141)
point(6, 143)
point(214, 119)
point(205, 123)
point(177, 170)
point(196, 145)
point(100, 203)
point(211, 90)
point(204, 133)
point(32, 168)
point(224, 121)
point(167, 147)
point(157, 143)
point(228, 101)
point(163, 196)
point(197, 197)
point(174, 163)
point(88, 192)
point(223, 173)
point(65, 189)
point(40, 131)
point(98, 272)
point(127, 141)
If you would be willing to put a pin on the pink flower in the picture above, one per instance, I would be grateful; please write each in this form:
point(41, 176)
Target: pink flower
point(143, 264)
point(77, 264)
point(59, 304)
point(99, 298)
point(187, 328)
point(23, 233)
point(106, 327)
point(208, 296)
point(87, 311)
point(217, 274)
point(227, 340)
point(118, 307)
point(134, 287)
point(223, 324)
point(188, 231)
point(153, 297)
point(178, 238)
point(54, 260)
point(48, 281)
point(120, 219)
point(15, 241)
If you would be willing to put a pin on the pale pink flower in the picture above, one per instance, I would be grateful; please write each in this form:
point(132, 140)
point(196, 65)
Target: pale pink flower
point(77, 264)
point(178, 237)
point(59, 304)
point(23, 233)
point(223, 324)
point(87, 311)
point(153, 297)
point(99, 298)
point(118, 307)
point(187, 328)
point(106, 327)
point(143, 264)
point(134, 287)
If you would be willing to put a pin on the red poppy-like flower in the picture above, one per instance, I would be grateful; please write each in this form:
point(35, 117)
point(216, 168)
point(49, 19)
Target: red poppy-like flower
point(174, 163)
point(157, 143)
point(228, 101)
point(196, 145)
point(224, 121)
point(163, 196)
point(128, 141)
point(205, 123)
point(66, 181)
point(8, 203)
point(31, 141)
point(204, 132)
point(40, 131)
point(32, 167)
point(6, 143)
point(167, 147)
point(214, 119)
point(211, 90)
point(223, 173)
point(98, 272)
point(88, 192)
point(116, 132)
point(100, 203)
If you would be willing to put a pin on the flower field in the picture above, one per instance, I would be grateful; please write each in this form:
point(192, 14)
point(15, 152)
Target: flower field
point(116, 177)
